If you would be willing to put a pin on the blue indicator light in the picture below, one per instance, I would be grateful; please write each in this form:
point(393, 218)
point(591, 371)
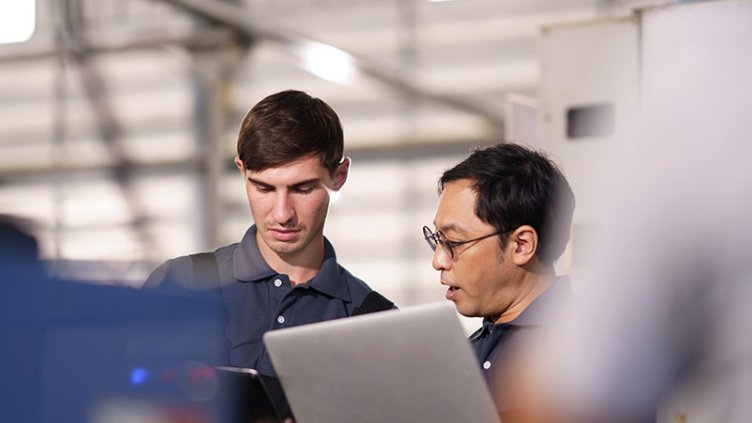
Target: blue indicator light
point(139, 376)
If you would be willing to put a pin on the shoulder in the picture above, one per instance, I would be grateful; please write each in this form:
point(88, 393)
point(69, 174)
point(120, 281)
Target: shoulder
point(173, 272)
point(363, 297)
point(179, 273)
point(359, 289)
point(226, 251)
point(225, 255)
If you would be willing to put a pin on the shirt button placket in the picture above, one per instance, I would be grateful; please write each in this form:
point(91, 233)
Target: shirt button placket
point(278, 293)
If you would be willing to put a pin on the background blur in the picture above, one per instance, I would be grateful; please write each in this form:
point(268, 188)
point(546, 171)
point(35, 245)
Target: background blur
point(118, 118)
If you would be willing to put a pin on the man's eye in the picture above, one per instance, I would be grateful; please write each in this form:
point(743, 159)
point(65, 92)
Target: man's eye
point(442, 238)
point(448, 242)
point(304, 190)
point(263, 189)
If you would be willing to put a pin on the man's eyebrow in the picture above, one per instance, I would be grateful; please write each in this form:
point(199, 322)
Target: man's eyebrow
point(296, 185)
point(451, 227)
point(313, 181)
point(257, 182)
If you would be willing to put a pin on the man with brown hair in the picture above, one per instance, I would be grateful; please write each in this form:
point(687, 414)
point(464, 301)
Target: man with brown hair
point(284, 272)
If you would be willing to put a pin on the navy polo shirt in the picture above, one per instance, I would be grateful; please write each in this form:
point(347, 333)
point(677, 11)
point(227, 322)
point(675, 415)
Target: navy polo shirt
point(258, 299)
point(493, 340)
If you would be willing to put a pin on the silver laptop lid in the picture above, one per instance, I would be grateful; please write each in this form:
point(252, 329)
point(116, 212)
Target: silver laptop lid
point(408, 365)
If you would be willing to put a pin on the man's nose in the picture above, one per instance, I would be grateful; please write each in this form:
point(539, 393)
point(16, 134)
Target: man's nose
point(441, 259)
point(284, 210)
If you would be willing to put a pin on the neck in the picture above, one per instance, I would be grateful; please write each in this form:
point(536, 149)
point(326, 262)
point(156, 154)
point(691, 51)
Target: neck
point(532, 286)
point(299, 266)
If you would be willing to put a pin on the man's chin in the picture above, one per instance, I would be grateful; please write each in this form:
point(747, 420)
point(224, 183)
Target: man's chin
point(284, 248)
point(466, 311)
point(459, 308)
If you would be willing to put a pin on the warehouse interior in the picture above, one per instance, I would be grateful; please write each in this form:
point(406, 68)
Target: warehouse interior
point(119, 119)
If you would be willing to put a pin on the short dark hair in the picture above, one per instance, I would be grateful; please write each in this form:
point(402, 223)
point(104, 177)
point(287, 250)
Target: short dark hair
point(519, 186)
point(289, 125)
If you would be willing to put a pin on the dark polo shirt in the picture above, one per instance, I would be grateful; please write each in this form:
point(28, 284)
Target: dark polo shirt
point(494, 342)
point(258, 299)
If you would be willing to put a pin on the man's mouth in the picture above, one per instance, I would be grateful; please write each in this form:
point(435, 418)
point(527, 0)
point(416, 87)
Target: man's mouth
point(282, 234)
point(451, 292)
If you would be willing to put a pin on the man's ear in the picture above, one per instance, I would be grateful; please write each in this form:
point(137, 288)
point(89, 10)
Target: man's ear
point(524, 244)
point(340, 174)
point(239, 164)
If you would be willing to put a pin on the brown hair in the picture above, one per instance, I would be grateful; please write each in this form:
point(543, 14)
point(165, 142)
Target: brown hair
point(289, 125)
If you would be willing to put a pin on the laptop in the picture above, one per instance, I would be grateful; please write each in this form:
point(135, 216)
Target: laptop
point(408, 365)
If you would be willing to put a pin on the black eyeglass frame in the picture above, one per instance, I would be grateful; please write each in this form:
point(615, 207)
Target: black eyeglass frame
point(434, 238)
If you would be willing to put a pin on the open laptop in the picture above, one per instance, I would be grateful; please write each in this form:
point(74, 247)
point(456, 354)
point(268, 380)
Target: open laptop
point(408, 365)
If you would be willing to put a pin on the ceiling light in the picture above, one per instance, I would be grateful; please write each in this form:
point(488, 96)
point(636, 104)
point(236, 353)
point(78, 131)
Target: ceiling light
point(328, 62)
point(17, 20)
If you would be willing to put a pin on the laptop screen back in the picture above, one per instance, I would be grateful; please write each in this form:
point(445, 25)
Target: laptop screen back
point(407, 365)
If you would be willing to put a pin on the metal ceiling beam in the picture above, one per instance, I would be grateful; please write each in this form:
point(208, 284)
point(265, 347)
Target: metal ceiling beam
point(236, 18)
point(97, 43)
point(176, 166)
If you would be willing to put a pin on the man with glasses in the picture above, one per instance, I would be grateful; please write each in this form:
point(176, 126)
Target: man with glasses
point(502, 220)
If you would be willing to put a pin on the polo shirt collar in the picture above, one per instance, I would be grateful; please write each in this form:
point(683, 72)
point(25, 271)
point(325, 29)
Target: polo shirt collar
point(485, 329)
point(247, 263)
point(329, 280)
point(250, 266)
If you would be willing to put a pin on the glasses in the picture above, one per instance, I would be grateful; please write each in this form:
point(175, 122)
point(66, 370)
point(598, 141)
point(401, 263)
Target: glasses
point(435, 238)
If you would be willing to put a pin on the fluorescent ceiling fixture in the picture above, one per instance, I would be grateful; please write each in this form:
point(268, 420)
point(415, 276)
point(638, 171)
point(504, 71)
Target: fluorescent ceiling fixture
point(17, 20)
point(329, 63)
